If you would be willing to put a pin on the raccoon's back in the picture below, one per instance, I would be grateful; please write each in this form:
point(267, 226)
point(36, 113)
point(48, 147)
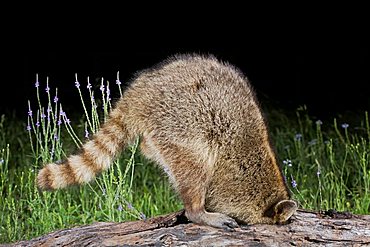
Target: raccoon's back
point(196, 97)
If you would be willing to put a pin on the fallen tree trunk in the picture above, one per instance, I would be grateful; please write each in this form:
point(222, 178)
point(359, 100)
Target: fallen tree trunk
point(307, 228)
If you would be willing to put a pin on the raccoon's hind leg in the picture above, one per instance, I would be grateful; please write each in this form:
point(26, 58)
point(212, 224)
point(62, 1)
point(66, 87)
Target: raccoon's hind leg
point(189, 176)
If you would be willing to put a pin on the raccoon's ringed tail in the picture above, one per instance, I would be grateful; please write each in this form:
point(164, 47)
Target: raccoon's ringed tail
point(96, 155)
point(74, 171)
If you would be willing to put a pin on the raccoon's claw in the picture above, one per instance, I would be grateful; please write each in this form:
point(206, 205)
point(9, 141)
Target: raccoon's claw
point(229, 225)
point(221, 221)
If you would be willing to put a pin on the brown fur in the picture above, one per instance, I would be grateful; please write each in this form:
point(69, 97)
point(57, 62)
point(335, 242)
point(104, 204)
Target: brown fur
point(199, 119)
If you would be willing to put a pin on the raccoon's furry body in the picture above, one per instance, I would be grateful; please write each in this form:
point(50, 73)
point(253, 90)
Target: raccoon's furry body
point(199, 119)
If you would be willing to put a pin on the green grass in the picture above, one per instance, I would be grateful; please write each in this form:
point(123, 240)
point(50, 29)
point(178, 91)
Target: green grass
point(330, 168)
point(326, 166)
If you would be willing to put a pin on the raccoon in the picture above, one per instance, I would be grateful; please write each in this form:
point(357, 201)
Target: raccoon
point(199, 119)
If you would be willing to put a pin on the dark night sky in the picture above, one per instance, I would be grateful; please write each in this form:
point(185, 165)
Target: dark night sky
point(329, 78)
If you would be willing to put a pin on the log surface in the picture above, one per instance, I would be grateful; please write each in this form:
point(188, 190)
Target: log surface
point(306, 228)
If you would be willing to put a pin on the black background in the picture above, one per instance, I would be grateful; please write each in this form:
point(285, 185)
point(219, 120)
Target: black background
point(330, 77)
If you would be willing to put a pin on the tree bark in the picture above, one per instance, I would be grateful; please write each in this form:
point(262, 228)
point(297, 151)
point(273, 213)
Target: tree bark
point(306, 228)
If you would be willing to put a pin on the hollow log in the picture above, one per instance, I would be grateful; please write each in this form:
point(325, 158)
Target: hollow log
point(306, 228)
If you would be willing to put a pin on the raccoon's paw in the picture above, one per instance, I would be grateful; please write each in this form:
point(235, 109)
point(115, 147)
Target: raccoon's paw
point(213, 219)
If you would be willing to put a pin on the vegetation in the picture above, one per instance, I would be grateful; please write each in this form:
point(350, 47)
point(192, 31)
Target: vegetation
point(326, 165)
